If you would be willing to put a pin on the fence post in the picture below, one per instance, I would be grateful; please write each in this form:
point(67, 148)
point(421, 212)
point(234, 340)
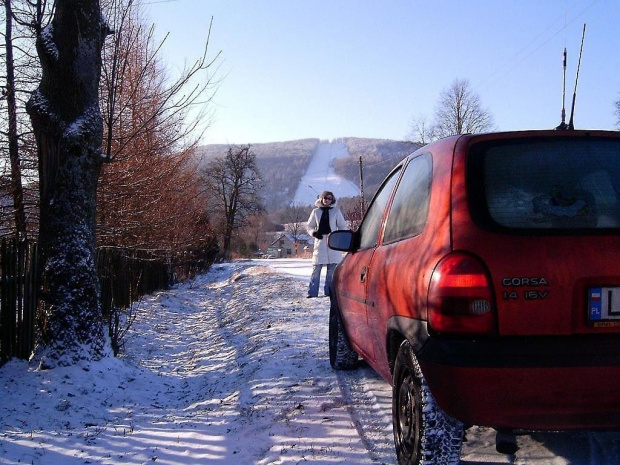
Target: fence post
point(4, 313)
point(125, 275)
point(18, 298)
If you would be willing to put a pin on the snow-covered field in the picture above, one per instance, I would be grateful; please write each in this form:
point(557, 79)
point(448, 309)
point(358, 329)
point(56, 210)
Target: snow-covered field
point(320, 176)
point(231, 368)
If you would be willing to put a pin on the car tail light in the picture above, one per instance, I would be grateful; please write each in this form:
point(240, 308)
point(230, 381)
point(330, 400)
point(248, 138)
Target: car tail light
point(460, 298)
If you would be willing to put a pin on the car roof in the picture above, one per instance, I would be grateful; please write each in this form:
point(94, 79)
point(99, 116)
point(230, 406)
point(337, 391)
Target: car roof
point(450, 142)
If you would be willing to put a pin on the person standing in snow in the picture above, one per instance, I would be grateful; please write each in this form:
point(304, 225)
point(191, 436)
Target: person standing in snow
point(324, 219)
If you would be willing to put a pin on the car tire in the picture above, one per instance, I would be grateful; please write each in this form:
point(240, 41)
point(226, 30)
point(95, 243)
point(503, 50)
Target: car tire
point(341, 356)
point(423, 433)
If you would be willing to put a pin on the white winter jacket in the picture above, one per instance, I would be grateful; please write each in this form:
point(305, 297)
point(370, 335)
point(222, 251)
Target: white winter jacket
point(323, 255)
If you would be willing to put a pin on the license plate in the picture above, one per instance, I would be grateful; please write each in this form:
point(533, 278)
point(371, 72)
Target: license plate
point(604, 303)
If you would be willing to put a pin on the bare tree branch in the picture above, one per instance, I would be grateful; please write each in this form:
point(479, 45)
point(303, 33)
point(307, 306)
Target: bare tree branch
point(459, 111)
point(233, 183)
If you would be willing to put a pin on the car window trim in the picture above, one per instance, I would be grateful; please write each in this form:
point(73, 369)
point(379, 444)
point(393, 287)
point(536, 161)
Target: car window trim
point(391, 203)
point(399, 167)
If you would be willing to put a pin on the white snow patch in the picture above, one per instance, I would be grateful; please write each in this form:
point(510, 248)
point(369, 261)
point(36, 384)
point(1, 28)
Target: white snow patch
point(320, 176)
point(39, 103)
point(231, 368)
point(46, 38)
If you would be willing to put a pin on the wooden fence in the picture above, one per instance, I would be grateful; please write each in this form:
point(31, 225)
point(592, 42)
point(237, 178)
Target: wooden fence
point(18, 298)
point(125, 275)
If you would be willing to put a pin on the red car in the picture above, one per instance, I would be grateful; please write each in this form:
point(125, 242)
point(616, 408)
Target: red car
point(484, 284)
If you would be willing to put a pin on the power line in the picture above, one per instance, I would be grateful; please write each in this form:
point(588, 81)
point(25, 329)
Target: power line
point(153, 2)
point(493, 78)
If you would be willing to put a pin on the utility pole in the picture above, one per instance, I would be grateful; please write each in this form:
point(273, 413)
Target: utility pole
point(362, 204)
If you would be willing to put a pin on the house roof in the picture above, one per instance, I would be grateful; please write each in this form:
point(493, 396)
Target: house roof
point(300, 238)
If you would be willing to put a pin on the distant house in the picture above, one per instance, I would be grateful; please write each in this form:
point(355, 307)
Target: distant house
point(285, 246)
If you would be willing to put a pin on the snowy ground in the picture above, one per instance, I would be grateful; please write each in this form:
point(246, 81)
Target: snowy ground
point(320, 176)
point(231, 368)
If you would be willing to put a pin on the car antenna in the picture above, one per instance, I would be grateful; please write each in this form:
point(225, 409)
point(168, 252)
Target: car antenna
point(572, 109)
point(570, 126)
point(563, 123)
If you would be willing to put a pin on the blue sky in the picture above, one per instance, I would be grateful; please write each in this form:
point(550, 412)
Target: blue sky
point(296, 69)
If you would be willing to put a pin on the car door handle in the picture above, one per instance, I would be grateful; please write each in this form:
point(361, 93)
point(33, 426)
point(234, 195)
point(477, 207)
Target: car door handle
point(363, 274)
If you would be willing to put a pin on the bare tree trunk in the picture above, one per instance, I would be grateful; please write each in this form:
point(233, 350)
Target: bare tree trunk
point(228, 233)
point(16, 174)
point(68, 126)
point(234, 182)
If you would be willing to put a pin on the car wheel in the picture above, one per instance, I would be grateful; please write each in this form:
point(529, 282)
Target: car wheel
point(423, 433)
point(341, 356)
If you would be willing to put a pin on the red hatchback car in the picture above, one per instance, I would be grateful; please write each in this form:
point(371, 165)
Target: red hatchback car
point(484, 284)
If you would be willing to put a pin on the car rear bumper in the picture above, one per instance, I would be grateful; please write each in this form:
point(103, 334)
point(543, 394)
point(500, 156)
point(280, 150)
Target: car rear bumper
point(527, 383)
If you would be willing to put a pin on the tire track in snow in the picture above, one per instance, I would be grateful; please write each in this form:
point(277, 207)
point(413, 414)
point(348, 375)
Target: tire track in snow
point(370, 411)
point(301, 403)
point(255, 372)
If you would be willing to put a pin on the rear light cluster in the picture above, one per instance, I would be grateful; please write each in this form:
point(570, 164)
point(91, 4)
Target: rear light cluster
point(460, 298)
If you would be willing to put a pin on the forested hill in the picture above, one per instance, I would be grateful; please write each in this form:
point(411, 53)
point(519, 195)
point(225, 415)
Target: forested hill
point(282, 164)
point(379, 156)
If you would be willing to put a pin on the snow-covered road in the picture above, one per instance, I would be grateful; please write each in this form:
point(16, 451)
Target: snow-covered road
point(231, 368)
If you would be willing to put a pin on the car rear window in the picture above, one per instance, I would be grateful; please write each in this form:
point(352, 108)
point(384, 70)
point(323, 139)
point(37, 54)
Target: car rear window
point(548, 184)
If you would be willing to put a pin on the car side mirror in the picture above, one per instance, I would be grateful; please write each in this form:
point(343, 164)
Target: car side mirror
point(343, 241)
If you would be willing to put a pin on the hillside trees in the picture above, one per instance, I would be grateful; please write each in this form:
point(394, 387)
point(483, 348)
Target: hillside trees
point(67, 124)
point(150, 195)
point(282, 163)
point(233, 183)
point(379, 157)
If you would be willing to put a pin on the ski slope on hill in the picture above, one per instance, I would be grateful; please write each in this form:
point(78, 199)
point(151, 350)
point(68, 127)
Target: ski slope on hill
point(320, 176)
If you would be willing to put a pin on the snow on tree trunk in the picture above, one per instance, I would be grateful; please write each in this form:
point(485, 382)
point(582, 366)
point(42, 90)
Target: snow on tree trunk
point(68, 126)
